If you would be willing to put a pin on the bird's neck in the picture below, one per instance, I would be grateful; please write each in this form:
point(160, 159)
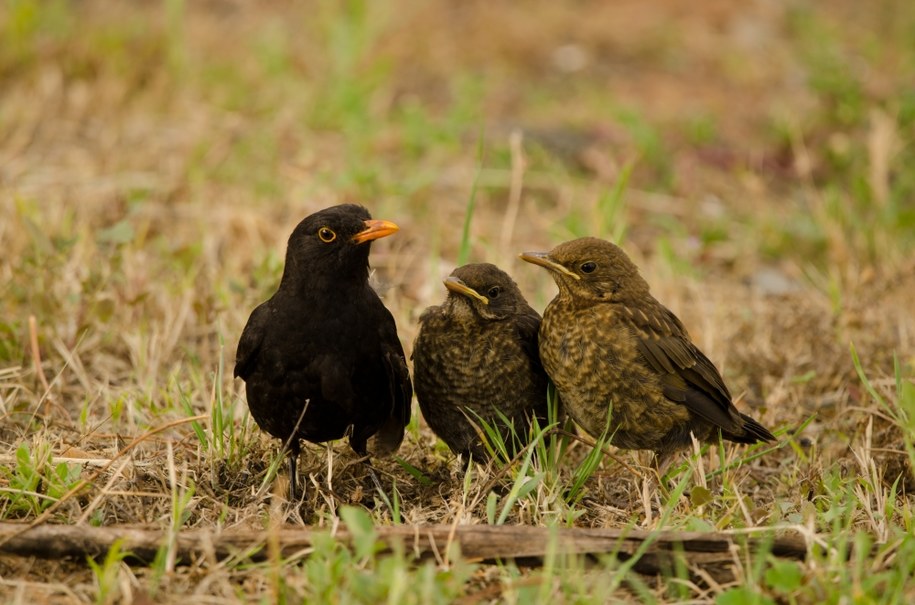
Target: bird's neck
point(566, 297)
point(325, 287)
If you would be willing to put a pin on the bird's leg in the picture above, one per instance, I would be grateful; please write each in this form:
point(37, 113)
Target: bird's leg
point(373, 474)
point(295, 449)
point(661, 463)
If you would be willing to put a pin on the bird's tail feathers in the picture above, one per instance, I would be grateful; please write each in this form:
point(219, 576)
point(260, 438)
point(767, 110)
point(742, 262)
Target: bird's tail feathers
point(753, 432)
point(388, 438)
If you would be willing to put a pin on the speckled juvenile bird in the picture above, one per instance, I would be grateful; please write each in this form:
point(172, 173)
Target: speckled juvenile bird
point(476, 356)
point(321, 357)
point(623, 364)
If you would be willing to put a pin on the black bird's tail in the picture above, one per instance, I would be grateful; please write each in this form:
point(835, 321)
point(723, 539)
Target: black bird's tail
point(387, 439)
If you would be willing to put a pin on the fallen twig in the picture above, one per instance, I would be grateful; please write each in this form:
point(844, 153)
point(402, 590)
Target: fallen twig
point(711, 554)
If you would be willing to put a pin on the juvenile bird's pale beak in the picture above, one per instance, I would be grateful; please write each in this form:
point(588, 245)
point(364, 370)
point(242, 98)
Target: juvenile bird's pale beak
point(543, 259)
point(456, 285)
point(375, 229)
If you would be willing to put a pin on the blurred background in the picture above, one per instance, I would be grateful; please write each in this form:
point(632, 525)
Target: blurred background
point(154, 156)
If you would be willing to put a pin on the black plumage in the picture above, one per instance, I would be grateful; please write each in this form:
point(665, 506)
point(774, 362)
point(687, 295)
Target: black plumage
point(321, 357)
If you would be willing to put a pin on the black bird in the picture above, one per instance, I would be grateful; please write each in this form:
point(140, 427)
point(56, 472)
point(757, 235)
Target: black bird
point(475, 357)
point(623, 364)
point(321, 357)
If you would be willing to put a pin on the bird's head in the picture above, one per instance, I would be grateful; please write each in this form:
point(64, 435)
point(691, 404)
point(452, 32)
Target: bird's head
point(334, 243)
point(590, 269)
point(482, 290)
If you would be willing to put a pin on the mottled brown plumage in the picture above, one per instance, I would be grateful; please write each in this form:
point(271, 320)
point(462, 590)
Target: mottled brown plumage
point(475, 357)
point(623, 364)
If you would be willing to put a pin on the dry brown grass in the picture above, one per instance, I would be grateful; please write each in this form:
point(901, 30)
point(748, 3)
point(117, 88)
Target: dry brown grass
point(152, 167)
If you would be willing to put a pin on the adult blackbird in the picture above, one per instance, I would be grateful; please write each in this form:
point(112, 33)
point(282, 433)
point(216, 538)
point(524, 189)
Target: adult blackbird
point(321, 357)
point(623, 364)
point(475, 358)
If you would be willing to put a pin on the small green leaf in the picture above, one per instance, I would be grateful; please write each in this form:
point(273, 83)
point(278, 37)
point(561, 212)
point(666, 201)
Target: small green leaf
point(743, 595)
point(784, 576)
point(700, 496)
point(491, 502)
point(529, 485)
point(362, 529)
point(23, 458)
point(414, 472)
point(805, 377)
point(119, 233)
point(104, 309)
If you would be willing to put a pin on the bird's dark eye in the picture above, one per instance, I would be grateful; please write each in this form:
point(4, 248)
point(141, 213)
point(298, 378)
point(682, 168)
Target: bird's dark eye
point(494, 292)
point(588, 267)
point(327, 234)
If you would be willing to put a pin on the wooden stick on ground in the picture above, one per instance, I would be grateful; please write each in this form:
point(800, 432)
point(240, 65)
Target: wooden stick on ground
point(713, 553)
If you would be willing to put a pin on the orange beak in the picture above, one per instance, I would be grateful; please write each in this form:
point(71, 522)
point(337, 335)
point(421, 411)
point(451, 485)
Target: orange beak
point(375, 229)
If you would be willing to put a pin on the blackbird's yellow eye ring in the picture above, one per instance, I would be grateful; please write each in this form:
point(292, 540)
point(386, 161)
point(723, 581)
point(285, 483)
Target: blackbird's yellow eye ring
point(327, 234)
